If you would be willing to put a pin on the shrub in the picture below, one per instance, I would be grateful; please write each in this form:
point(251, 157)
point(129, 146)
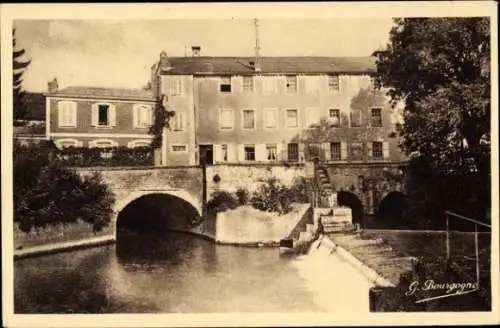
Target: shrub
point(272, 197)
point(243, 196)
point(221, 201)
point(300, 190)
point(47, 193)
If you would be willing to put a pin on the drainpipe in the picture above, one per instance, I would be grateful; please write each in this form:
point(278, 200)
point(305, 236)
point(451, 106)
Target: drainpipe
point(203, 163)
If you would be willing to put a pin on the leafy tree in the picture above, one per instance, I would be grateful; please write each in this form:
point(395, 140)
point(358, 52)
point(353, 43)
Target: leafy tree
point(18, 67)
point(162, 116)
point(439, 69)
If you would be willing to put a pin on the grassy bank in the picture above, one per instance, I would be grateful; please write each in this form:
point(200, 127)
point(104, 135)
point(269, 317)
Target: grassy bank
point(56, 234)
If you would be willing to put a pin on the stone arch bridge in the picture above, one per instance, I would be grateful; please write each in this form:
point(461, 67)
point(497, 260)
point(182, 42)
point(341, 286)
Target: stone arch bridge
point(183, 184)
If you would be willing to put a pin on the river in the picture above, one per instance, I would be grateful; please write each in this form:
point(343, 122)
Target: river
point(181, 273)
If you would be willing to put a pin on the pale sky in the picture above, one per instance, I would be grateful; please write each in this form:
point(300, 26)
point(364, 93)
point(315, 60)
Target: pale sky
point(119, 53)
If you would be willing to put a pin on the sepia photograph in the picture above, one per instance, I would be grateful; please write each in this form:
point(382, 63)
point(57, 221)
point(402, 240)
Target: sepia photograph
point(249, 160)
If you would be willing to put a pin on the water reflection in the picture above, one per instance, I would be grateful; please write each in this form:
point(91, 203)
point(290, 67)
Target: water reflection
point(171, 272)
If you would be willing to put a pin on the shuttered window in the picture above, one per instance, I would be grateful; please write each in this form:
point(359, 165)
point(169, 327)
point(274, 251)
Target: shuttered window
point(292, 118)
point(103, 115)
point(143, 116)
point(270, 118)
point(248, 119)
point(226, 121)
point(178, 122)
point(66, 113)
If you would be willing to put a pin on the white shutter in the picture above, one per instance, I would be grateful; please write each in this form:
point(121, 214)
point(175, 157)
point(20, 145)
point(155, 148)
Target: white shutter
point(112, 115)
point(343, 150)
point(385, 149)
point(301, 151)
point(370, 149)
point(60, 114)
point(95, 115)
point(238, 84)
point(135, 116)
point(326, 149)
point(260, 153)
point(150, 116)
point(73, 114)
point(279, 152)
point(217, 153)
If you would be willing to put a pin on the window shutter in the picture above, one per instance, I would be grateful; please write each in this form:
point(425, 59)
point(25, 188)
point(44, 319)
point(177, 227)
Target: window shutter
point(112, 115)
point(135, 116)
point(241, 153)
point(238, 84)
point(231, 153)
point(95, 114)
point(279, 152)
point(73, 114)
point(60, 113)
point(385, 149)
point(284, 152)
point(370, 149)
point(343, 150)
point(260, 153)
point(326, 150)
point(217, 153)
point(301, 151)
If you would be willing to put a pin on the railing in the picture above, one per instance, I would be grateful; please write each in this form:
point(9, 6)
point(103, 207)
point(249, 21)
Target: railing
point(449, 215)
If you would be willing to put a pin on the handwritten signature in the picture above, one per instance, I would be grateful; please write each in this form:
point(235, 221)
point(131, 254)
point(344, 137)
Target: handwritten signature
point(449, 289)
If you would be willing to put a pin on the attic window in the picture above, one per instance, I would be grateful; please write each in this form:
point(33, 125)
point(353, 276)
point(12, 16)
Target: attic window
point(225, 84)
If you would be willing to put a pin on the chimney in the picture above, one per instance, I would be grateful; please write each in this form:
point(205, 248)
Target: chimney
point(196, 51)
point(257, 65)
point(164, 62)
point(53, 86)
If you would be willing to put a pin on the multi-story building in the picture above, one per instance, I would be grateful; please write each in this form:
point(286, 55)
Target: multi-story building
point(98, 117)
point(237, 110)
point(270, 109)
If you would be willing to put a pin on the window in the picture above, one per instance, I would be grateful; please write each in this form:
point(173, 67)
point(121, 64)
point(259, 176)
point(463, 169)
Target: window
point(374, 83)
point(247, 83)
point(314, 150)
point(377, 149)
point(102, 143)
point(335, 151)
point(291, 83)
point(249, 153)
point(269, 84)
point(224, 153)
point(178, 122)
point(270, 118)
point(248, 119)
point(356, 118)
point(272, 152)
point(179, 148)
point(225, 84)
point(103, 115)
point(313, 116)
point(292, 118)
point(226, 119)
point(356, 151)
point(293, 152)
point(142, 116)
point(66, 113)
point(376, 117)
point(333, 83)
point(335, 117)
point(138, 143)
point(175, 86)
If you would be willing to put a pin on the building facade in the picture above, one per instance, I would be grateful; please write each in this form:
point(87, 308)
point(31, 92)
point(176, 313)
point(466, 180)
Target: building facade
point(238, 110)
point(274, 109)
point(98, 117)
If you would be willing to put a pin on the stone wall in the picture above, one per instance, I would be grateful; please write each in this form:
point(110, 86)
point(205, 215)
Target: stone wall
point(237, 176)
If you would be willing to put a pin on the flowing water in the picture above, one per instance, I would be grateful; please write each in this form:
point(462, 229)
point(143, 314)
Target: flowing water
point(180, 273)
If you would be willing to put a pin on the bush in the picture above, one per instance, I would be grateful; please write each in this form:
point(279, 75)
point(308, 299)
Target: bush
point(221, 201)
point(272, 197)
point(300, 190)
point(47, 193)
point(243, 196)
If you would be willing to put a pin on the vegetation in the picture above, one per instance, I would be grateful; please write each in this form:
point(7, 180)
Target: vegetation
point(110, 156)
point(439, 68)
point(273, 196)
point(161, 120)
point(243, 196)
point(46, 193)
point(18, 68)
point(221, 201)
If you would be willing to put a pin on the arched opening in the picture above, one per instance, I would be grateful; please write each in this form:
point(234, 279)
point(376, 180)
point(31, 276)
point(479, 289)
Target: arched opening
point(391, 209)
point(157, 212)
point(346, 198)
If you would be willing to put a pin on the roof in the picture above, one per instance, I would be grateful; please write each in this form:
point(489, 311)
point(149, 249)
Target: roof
point(104, 93)
point(35, 106)
point(270, 65)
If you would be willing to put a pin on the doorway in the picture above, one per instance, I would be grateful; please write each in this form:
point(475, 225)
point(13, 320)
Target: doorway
point(207, 154)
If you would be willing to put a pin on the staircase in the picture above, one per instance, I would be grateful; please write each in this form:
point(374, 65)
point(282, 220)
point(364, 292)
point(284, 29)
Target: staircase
point(324, 185)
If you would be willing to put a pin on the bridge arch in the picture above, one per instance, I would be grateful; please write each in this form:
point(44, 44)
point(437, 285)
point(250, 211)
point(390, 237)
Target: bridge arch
point(179, 193)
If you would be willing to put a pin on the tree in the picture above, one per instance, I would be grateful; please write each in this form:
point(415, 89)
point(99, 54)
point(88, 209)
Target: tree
point(18, 68)
point(162, 116)
point(439, 68)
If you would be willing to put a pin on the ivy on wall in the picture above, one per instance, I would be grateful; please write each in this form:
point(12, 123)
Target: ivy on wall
point(161, 120)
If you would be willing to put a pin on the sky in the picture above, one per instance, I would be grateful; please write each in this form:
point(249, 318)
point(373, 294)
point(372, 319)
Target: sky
point(119, 53)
